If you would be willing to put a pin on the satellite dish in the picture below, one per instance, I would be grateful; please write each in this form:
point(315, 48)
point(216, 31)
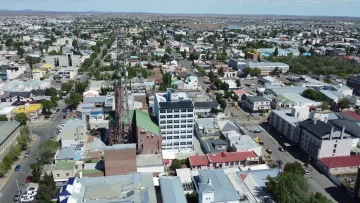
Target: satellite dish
point(2, 92)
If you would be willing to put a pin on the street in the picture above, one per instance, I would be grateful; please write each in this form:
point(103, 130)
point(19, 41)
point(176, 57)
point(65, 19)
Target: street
point(43, 132)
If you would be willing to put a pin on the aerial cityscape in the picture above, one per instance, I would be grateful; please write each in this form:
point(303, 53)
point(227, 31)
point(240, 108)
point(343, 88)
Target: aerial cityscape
point(180, 101)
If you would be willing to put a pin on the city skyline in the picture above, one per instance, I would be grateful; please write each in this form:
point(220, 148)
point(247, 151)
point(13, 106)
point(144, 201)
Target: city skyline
point(240, 7)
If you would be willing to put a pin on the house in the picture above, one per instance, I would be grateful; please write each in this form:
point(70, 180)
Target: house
point(172, 190)
point(63, 170)
point(243, 143)
point(214, 186)
point(223, 160)
point(120, 159)
point(207, 128)
point(37, 74)
point(289, 100)
point(67, 73)
point(186, 180)
point(256, 103)
point(339, 165)
point(9, 132)
point(32, 111)
point(148, 136)
point(72, 133)
point(133, 187)
point(20, 96)
point(11, 71)
point(6, 109)
point(321, 139)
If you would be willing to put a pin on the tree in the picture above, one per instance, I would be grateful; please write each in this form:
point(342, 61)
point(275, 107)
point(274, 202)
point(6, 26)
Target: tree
point(75, 44)
point(20, 52)
point(97, 62)
point(24, 138)
point(80, 87)
point(211, 76)
point(221, 72)
point(21, 118)
point(357, 111)
point(168, 50)
point(47, 189)
point(175, 164)
point(149, 66)
point(183, 54)
point(275, 71)
point(50, 92)
point(302, 50)
point(104, 91)
point(31, 61)
point(238, 83)
point(276, 52)
point(47, 105)
point(47, 151)
point(3, 118)
point(294, 167)
point(343, 103)
point(73, 100)
point(313, 95)
point(67, 86)
point(225, 86)
point(207, 90)
point(325, 105)
point(192, 197)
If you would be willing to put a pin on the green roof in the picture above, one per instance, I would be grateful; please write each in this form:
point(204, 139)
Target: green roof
point(143, 120)
point(134, 57)
point(64, 165)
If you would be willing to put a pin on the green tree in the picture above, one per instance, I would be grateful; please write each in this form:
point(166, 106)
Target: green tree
point(97, 62)
point(20, 52)
point(3, 118)
point(211, 76)
point(275, 71)
point(47, 151)
point(80, 87)
point(221, 71)
point(325, 105)
point(256, 72)
point(294, 167)
point(67, 86)
point(47, 105)
point(75, 44)
point(343, 103)
point(192, 197)
point(32, 61)
point(357, 111)
point(47, 189)
point(238, 83)
point(225, 86)
point(183, 54)
point(104, 91)
point(276, 52)
point(175, 164)
point(207, 90)
point(50, 92)
point(73, 100)
point(313, 95)
point(24, 138)
point(168, 50)
point(21, 118)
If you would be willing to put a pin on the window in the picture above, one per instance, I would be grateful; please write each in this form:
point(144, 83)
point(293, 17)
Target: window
point(183, 136)
point(231, 163)
point(176, 126)
point(236, 163)
point(169, 137)
point(169, 126)
point(169, 132)
point(189, 143)
point(183, 121)
point(183, 131)
point(176, 137)
point(190, 115)
point(189, 125)
point(226, 163)
point(189, 131)
point(163, 132)
point(176, 143)
point(334, 151)
point(169, 111)
point(189, 121)
point(58, 175)
point(183, 126)
point(67, 174)
point(169, 144)
point(182, 143)
point(163, 127)
point(183, 116)
point(162, 122)
point(169, 116)
point(176, 111)
point(335, 145)
point(176, 116)
point(190, 110)
point(162, 111)
point(162, 116)
point(164, 137)
point(169, 121)
point(183, 110)
point(189, 136)
point(176, 121)
point(176, 132)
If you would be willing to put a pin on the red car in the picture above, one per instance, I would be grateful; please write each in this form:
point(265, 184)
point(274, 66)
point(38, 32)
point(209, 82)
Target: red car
point(28, 179)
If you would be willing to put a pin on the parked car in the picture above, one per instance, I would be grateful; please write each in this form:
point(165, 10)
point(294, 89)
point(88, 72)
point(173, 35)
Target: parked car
point(306, 172)
point(64, 117)
point(26, 154)
point(31, 189)
point(17, 196)
point(26, 198)
point(28, 179)
point(257, 131)
point(281, 149)
point(17, 167)
point(269, 151)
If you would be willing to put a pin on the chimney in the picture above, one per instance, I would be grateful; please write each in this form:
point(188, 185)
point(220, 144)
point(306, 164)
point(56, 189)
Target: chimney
point(342, 133)
point(315, 121)
point(331, 133)
point(209, 181)
point(326, 120)
point(80, 174)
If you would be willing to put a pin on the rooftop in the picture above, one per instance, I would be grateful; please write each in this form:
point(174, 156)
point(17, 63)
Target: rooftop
point(172, 190)
point(243, 142)
point(257, 99)
point(341, 161)
point(64, 165)
point(145, 160)
point(24, 109)
point(320, 129)
point(280, 91)
point(7, 127)
point(144, 121)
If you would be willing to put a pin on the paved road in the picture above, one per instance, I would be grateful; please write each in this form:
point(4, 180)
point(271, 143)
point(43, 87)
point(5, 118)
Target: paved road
point(43, 131)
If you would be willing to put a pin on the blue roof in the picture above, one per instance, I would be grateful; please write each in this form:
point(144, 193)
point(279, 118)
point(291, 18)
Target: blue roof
point(64, 192)
point(71, 181)
point(172, 190)
point(219, 184)
point(64, 200)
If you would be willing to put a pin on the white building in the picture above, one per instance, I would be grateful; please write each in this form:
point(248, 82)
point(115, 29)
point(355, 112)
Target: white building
point(66, 73)
point(241, 143)
point(175, 114)
point(191, 83)
point(256, 103)
point(65, 60)
point(12, 71)
point(320, 139)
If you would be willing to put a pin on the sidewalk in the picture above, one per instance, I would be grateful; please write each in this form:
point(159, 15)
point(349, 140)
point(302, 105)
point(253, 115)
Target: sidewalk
point(4, 180)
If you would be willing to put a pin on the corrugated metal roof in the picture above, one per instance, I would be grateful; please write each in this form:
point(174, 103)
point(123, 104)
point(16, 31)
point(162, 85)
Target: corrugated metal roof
point(172, 190)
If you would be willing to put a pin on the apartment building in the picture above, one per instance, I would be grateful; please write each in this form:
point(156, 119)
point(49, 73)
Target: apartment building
point(175, 114)
point(354, 82)
point(9, 132)
point(256, 103)
point(65, 60)
point(322, 139)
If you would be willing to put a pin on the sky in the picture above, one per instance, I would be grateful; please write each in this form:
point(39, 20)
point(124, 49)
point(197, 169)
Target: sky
point(246, 7)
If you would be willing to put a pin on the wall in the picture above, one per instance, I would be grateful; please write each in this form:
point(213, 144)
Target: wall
point(61, 175)
point(206, 197)
point(344, 170)
point(11, 140)
point(343, 148)
point(150, 169)
point(147, 143)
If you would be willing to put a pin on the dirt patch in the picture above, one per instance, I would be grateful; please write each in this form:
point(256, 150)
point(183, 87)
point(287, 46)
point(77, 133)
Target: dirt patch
point(155, 74)
point(142, 99)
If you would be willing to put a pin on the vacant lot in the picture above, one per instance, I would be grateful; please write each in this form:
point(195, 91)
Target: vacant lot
point(156, 74)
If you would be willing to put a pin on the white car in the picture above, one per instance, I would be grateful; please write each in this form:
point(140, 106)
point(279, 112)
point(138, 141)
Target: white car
point(31, 189)
point(0, 194)
point(31, 193)
point(26, 198)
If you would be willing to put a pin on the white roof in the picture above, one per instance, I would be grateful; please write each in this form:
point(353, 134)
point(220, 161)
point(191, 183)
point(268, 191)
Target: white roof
point(184, 174)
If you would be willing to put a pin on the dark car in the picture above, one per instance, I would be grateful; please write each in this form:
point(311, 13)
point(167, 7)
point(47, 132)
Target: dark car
point(17, 196)
point(64, 117)
point(257, 131)
point(17, 167)
point(28, 179)
point(281, 149)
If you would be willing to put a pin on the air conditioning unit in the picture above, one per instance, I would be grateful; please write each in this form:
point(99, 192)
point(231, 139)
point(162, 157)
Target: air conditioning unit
point(152, 135)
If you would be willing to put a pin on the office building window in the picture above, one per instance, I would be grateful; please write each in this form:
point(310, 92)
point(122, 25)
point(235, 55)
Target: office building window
point(176, 116)
point(183, 121)
point(190, 110)
point(169, 121)
point(182, 143)
point(190, 115)
point(226, 163)
point(162, 111)
point(334, 151)
point(169, 116)
point(163, 127)
point(183, 110)
point(176, 126)
point(189, 143)
point(169, 137)
point(162, 116)
point(189, 121)
point(176, 121)
point(189, 131)
point(176, 143)
point(183, 136)
point(162, 122)
point(164, 137)
point(169, 126)
point(176, 132)
point(189, 125)
point(183, 116)
point(169, 111)
point(163, 132)
point(183, 126)
point(169, 132)
point(183, 131)
point(176, 111)
point(176, 137)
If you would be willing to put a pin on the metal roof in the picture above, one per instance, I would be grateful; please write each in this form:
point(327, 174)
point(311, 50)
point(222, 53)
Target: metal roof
point(7, 128)
point(172, 190)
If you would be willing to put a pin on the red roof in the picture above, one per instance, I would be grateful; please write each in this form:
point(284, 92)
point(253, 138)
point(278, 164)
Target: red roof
point(341, 161)
point(240, 91)
point(198, 160)
point(347, 57)
point(230, 156)
point(352, 114)
point(166, 161)
point(243, 176)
